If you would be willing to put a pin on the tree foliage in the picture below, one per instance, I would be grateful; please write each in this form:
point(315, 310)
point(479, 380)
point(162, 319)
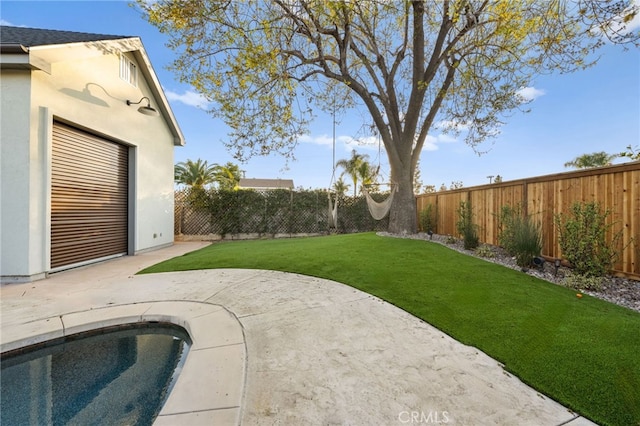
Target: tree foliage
point(199, 174)
point(359, 170)
point(227, 176)
point(196, 174)
point(631, 152)
point(410, 64)
point(596, 159)
point(340, 186)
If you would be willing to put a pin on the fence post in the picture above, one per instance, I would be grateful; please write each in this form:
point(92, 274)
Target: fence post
point(525, 198)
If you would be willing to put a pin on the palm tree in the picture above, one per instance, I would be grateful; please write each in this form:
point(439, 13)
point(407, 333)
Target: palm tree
point(596, 159)
point(228, 176)
point(340, 186)
point(352, 167)
point(366, 174)
point(194, 174)
point(631, 152)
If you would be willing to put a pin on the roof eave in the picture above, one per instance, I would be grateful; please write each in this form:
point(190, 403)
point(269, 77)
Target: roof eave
point(18, 56)
point(158, 93)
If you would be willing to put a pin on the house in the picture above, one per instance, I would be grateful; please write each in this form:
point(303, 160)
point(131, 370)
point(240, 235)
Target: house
point(265, 184)
point(87, 139)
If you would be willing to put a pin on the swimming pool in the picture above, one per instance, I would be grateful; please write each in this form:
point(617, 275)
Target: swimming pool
point(119, 375)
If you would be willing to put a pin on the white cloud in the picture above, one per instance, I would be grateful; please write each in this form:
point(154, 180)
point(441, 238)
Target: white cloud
point(318, 140)
point(7, 23)
point(634, 24)
point(431, 142)
point(188, 98)
point(442, 138)
point(370, 142)
point(452, 125)
point(528, 94)
point(347, 141)
point(617, 26)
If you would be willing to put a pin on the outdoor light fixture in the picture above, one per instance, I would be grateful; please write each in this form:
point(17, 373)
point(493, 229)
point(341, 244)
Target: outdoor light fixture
point(539, 262)
point(146, 110)
point(430, 232)
point(557, 265)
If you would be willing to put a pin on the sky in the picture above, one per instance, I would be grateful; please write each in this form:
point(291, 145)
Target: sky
point(593, 110)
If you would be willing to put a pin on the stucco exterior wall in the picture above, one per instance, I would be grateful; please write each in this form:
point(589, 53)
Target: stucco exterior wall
point(84, 90)
point(15, 176)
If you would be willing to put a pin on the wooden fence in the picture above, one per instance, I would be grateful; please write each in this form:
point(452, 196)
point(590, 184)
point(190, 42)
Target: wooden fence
point(616, 188)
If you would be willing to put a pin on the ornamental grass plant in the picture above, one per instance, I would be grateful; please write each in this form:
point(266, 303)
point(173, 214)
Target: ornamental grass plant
point(519, 235)
point(527, 240)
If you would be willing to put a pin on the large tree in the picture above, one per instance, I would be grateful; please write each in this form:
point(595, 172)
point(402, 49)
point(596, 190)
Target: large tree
point(409, 64)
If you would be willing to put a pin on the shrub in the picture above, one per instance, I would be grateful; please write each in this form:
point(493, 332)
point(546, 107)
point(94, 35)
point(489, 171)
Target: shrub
point(526, 240)
point(506, 227)
point(582, 282)
point(583, 239)
point(519, 235)
point(466, 227)
point(427, 219)
point(485, 251)
point(451, 239)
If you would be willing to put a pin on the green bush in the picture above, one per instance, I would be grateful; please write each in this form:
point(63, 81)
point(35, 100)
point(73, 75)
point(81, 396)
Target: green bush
point(466, 227)
point(582, 282)
point(506, 227)
point(527, 240)
point(427, 219)
point(583, 239)
point(485, 251)
point(519, 235)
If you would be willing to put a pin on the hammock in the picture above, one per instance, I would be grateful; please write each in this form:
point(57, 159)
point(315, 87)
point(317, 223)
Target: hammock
point(378, 210)
point(333, 211)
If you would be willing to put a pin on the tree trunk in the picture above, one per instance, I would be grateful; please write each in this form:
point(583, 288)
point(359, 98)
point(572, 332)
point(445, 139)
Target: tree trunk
point(402, 217)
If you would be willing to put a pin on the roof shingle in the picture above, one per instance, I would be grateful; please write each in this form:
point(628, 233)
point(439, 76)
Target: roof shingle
point(30, 37)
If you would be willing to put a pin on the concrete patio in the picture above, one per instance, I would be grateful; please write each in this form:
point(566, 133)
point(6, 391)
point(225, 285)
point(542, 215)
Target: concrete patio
point(276, 348)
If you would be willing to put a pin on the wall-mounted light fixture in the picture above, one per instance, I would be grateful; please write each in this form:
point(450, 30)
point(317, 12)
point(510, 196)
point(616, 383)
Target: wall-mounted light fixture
point(146, 110)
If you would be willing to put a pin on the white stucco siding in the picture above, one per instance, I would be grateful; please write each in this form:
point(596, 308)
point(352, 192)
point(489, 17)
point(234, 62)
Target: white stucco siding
point(89, 93)
point(82, 89)
point(15, 174)
point(155, 199)
point(104, 110)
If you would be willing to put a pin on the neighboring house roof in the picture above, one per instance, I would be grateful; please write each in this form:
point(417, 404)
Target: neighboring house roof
point(37, 49)
point(266, 183)
point(29, 37)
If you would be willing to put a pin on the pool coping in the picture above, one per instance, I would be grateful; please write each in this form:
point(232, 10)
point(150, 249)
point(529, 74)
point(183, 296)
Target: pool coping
point(217, 358)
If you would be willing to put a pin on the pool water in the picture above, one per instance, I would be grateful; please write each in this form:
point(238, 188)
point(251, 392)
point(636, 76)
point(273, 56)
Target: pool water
point(120, 377)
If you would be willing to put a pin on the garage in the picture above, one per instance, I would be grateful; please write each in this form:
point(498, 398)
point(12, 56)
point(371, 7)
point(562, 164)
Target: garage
point(89, 197)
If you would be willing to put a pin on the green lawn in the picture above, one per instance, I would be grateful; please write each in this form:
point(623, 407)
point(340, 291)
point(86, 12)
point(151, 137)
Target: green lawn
point(584, 353)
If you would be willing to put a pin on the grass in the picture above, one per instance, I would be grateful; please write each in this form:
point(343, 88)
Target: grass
point(584, 353)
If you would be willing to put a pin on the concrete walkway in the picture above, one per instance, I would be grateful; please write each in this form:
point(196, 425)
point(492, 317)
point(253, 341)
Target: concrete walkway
point(289, 349)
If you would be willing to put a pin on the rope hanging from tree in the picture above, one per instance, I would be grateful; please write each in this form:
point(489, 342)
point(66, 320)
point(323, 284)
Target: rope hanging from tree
point(333, 206)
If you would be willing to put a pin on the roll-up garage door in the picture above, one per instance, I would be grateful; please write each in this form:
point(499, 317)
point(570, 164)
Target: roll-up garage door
point(89, 197)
